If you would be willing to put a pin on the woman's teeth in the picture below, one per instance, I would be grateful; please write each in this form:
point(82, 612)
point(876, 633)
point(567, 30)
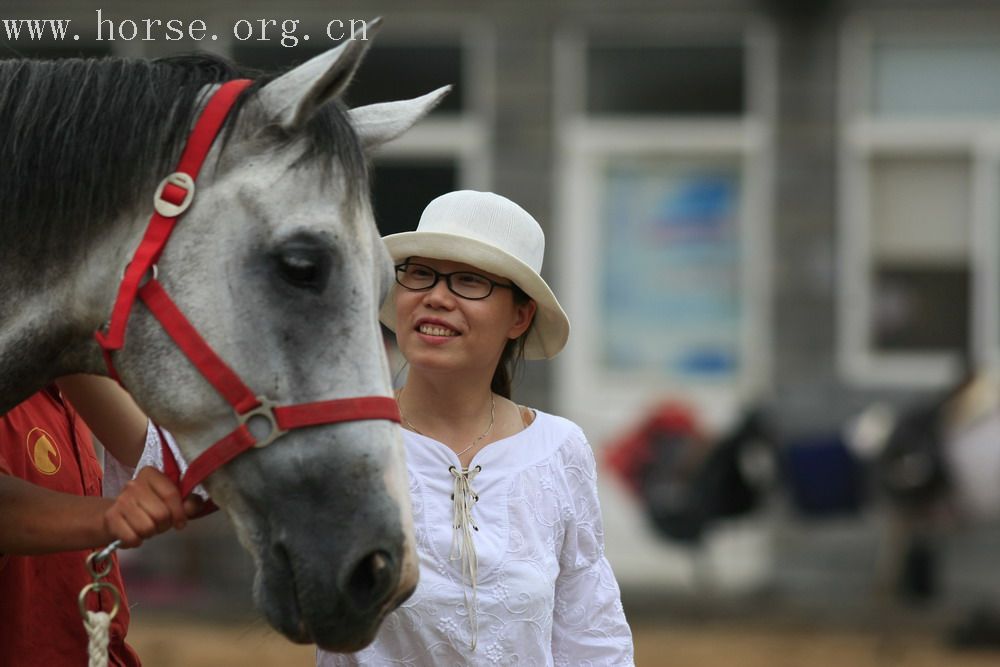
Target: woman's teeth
point(433, 330)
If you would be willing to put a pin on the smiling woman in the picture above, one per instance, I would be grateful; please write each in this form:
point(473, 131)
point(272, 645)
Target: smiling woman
point(508, 525)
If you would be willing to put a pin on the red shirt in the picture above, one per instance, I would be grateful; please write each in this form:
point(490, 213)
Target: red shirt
point(43, 441)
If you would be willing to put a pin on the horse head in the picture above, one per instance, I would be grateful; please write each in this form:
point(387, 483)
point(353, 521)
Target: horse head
point(279, 266)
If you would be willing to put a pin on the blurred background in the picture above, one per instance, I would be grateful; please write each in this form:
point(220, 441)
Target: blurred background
point(774, 225)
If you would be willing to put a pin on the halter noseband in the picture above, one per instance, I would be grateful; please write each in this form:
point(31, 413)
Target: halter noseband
point(172, 199)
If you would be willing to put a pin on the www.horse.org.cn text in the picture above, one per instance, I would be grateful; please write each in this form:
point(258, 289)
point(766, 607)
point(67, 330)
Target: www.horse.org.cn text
point(285, 32)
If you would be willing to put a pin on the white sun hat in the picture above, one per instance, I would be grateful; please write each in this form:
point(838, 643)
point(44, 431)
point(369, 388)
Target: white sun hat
point(494, 234)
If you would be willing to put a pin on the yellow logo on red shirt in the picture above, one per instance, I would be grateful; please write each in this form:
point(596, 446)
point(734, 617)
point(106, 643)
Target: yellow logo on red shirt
point(43, 453)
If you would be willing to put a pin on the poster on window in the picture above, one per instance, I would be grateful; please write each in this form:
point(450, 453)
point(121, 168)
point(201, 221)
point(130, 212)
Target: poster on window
point(670, 262)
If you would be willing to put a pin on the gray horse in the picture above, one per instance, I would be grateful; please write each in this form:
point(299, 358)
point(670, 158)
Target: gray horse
point(278, 265)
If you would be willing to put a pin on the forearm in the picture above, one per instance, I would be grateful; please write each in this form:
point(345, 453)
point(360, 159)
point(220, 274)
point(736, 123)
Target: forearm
point(35, 520)
point(110, 413)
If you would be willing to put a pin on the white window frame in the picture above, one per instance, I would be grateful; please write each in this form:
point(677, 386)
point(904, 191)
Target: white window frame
point(865, 138)
point(602, 401)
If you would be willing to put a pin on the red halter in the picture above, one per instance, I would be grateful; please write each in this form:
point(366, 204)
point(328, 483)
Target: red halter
point(172, 198)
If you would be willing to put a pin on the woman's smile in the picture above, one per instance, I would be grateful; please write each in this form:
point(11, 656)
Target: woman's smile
point(436, 329)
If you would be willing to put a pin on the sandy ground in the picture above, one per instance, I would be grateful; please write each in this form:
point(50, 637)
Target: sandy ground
point(171, 642)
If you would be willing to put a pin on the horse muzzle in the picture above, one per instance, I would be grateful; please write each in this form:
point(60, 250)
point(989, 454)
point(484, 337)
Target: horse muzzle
point(313, 599)
point(327, 517)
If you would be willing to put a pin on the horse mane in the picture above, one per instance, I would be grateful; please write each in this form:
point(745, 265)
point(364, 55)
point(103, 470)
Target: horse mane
point(85, 141)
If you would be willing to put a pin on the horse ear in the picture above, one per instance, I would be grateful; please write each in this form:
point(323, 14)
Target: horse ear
point(294, 97)
point(377, 124)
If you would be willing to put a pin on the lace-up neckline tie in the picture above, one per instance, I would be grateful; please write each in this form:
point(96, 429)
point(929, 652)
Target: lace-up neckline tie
point(463, 548)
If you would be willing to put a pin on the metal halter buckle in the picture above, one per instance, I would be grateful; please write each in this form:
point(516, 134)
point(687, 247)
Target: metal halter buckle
point(263, 411)
point(169, 209)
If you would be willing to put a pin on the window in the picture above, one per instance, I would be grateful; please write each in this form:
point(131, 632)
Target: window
point(690, 79)
point(918, 77)
point(449, 149)
point(920, 253)
point(664, 153)
point(920, 170)
point(401, 190)
point(392, 72)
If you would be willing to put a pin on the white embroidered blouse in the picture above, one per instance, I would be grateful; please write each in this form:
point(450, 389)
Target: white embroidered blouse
point(544, 591)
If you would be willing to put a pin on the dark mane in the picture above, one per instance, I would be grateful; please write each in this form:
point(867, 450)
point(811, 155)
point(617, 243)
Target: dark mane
point(85, 141)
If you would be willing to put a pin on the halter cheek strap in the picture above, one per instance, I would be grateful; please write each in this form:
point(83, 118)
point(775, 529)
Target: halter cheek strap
point(172, 199)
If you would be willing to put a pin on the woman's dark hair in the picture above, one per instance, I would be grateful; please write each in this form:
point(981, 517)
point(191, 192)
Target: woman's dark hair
point(513, 354)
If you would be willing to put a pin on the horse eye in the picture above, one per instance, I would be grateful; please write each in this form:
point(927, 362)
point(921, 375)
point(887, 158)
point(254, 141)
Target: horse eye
point(304, 267)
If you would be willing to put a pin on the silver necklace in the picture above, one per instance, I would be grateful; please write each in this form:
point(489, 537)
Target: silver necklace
point(409, 424)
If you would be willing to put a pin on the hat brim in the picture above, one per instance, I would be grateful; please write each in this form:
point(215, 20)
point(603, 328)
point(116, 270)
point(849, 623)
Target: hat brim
point(549, 331)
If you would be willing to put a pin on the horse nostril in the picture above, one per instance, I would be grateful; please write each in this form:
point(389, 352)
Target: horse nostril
point(371, 580)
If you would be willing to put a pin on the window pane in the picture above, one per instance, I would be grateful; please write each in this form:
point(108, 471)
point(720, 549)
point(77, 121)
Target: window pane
point(936, 79)
point(671, 263)
point(921, 309)
point(387, 72)
point(920, 208)
point(401, 72)
point(683, 80)
point(921, 222)
point(400, 191)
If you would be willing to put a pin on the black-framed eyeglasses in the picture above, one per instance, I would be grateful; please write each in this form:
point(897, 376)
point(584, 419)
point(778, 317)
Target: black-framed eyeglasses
point(466, 284)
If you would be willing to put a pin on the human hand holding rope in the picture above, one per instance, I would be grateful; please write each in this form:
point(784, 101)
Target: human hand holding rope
point(148, 505)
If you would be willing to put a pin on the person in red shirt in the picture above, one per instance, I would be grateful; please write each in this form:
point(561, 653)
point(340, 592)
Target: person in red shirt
point(52, 515)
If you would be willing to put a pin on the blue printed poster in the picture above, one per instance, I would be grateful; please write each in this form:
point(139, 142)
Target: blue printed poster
point(671, 264)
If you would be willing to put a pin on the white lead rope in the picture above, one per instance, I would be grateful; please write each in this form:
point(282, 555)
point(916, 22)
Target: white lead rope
point(98, 623)
point(464, 497)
